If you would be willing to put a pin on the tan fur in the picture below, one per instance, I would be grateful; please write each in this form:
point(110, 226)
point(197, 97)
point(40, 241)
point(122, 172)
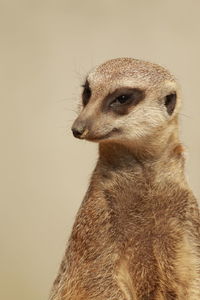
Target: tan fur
point(137, 233)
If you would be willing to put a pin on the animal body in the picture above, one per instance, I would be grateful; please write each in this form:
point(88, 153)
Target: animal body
point(137, 233)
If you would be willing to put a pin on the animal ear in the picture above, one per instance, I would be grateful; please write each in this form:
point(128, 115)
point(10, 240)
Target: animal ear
point(170, 102)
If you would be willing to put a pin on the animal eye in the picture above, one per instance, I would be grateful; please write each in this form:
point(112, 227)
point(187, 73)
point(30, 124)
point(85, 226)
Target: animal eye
point(86, 93)
point(120, 100)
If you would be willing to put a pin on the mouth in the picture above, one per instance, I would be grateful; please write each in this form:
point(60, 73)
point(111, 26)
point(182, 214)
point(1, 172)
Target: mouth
point(93, 138)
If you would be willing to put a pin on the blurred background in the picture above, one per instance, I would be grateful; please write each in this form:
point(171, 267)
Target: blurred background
point(47, 48)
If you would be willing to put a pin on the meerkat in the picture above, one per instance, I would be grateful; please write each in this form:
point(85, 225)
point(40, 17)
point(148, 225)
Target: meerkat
point(137, 233)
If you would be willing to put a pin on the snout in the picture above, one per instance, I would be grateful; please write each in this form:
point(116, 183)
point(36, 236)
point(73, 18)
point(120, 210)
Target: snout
point(80, 129)
point(94, 129)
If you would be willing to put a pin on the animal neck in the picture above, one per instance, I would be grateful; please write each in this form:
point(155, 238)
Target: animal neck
point(158, 157)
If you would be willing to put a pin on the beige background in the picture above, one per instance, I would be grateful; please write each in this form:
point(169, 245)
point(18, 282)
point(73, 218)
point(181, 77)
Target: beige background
point(46, 49)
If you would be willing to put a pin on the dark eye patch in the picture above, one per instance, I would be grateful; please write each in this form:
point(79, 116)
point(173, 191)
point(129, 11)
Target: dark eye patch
point(122, 99)
point(86, 94)
point(170, 102)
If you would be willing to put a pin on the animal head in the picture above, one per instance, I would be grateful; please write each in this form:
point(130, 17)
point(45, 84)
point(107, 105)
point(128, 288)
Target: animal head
point(126, 99)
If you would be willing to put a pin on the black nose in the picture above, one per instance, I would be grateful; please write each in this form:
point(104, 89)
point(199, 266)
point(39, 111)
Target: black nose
point(77, 132)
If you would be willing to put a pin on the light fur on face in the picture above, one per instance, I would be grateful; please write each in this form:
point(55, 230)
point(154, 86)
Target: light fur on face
point(143, 119)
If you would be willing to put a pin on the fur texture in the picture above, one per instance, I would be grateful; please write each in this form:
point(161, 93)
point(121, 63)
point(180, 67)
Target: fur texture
point(137, 233)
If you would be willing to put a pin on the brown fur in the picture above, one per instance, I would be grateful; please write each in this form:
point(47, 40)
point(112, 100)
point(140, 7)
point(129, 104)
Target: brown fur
point(137, 233)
